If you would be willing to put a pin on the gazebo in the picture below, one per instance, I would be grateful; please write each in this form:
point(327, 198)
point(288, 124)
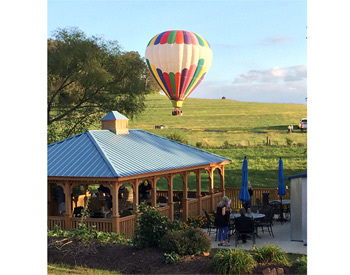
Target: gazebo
point(115, 156)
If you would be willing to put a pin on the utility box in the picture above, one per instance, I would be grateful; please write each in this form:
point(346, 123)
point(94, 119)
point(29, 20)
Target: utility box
point(298, 207)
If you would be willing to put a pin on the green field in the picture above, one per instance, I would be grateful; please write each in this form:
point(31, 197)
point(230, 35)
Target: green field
point(243, 127)
point(214, 121)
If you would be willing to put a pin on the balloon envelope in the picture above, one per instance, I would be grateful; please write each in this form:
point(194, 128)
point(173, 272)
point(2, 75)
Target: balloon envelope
point(178, 60)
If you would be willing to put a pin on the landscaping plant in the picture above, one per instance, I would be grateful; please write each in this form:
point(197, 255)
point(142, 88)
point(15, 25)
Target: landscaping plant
point(171, 258)
point(189, 241)
point(270, 253)
point(233, 261)
point(301, 264)
point(151, 226)
point(86, 234)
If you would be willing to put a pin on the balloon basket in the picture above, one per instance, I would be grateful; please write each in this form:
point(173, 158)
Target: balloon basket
point(177, 112)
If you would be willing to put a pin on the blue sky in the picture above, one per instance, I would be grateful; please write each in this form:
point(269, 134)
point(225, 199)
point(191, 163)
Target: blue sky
point(259, 47)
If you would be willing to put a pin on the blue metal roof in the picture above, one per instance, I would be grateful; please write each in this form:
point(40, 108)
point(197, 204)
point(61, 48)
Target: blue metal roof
point(114, 115)
point(101, 153)
point(302, 175)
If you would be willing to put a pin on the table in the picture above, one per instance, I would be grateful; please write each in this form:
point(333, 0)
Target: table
point(285, 204)
point(252, 215)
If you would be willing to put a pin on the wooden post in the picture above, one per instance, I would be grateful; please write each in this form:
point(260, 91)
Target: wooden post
point(135, 202)
point(185, 196)
point(153, 193)
point(211, 188)
point(222, 180)
point(170, 196)
point(68, 200)
point(199, 192)
point(115, 208)
point(86, 194)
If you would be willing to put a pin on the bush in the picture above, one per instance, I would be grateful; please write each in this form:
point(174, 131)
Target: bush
point(301, 264)
point(189, 241)
point(233, 261)
point(86, 234)
point(289, 141)
point(178, 136)
point(196, 221)
point(151, 226)
point(270, 254)
point(171, 258)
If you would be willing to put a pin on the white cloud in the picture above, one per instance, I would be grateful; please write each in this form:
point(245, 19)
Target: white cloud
point(276, 74)
point(276, 92)
point(277, 39)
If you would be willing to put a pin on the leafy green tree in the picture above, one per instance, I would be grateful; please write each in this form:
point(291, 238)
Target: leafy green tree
point(89, 77)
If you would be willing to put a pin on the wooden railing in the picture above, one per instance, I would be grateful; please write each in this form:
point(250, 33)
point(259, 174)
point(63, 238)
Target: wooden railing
point(104, 225)
point(192, 208)
point(236, 204)
point(165, 210)
point(52, 220)
point(127, 224)
point(206, 203)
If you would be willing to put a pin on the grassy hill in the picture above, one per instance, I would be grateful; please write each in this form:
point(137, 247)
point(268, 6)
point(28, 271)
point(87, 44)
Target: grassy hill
point(235, 129)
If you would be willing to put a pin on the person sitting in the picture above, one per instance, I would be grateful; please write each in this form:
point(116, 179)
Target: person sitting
point(145, 190)
point(244, 224)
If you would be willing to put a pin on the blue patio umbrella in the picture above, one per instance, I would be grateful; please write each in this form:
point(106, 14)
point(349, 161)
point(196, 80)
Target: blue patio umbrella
point(281, 187)
point(244, 194)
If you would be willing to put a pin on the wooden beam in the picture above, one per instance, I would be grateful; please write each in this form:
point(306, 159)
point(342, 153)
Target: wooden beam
point(115, 210)
point(199, 191)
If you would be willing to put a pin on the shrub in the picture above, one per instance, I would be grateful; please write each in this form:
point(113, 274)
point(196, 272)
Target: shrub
point(199, 144)
point(86, 234)
point(233, 261)
point(196, 221)
point(150, 227)
point(178, 136)
point(189, 241)
point(301, 264)
point(270, 254)
point(171, 258)
point(289, 141)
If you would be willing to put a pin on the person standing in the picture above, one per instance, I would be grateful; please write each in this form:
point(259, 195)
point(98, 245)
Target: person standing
point(222, 220)
point(248, 204)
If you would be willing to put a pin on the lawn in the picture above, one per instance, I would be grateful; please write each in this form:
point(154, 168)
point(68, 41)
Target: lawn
point(234, 129)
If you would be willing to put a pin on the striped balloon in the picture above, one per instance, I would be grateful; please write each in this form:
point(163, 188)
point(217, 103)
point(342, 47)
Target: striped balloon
point(178, 61)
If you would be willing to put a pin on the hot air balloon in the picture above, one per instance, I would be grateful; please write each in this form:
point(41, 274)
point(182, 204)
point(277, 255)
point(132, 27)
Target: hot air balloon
point(178, 61)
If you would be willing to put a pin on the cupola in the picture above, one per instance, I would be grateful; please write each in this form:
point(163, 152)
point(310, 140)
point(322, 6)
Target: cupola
point(115, 122)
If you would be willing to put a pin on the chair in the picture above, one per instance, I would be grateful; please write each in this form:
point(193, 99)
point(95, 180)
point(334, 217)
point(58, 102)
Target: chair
point(177, 212)
point(258, 202)
point(255, 208)
point(211, 225)
point(77, 211)
point(231, 229)
point(162, 199)
point(267, 222)
point(244, 229)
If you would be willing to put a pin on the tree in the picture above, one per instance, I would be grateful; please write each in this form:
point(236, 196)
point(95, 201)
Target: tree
point(88, 77)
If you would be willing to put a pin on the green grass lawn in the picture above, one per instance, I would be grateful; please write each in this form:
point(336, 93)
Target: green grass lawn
point(213, 121)
point(243, 126)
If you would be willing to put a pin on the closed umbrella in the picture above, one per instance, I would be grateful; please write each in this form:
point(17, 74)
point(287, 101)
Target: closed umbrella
point(244, 194)
point(281, 187)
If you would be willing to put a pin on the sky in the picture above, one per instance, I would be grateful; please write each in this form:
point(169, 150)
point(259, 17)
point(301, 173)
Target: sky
point(259, 46)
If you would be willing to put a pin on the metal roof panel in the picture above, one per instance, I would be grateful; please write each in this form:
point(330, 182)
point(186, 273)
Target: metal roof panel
point(102, 153)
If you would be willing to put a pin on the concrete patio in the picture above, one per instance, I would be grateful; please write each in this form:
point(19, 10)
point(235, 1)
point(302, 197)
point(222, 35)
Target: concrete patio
point(281, 239)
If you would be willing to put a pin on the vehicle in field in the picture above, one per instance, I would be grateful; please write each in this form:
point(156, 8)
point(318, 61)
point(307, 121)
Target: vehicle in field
point(303, 124)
